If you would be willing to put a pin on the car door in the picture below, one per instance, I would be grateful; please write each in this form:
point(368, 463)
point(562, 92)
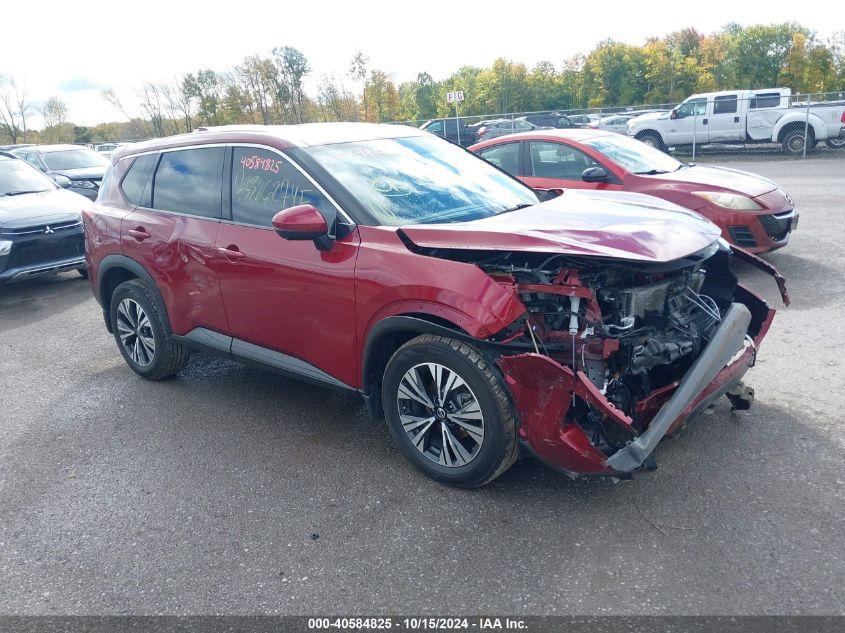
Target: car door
point(286, 301)
point(687, 122)
point(551, 165)
point(172, 231)
point(724, 122)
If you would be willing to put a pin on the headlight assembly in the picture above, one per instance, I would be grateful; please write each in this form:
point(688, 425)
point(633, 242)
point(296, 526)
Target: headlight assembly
point(733, 201)
point(5, 247)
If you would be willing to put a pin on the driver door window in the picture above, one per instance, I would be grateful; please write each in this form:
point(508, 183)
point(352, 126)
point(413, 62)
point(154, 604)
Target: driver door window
point(558, 161)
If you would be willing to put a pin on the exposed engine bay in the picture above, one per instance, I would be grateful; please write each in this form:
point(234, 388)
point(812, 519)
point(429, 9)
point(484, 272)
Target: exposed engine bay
point(618, 339)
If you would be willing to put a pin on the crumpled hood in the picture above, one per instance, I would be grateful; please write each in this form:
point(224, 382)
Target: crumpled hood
point(616, 225)
point(48, 206)
point(711, 176)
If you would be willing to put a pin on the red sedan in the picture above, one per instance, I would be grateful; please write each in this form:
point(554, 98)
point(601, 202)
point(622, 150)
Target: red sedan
point(752, 212)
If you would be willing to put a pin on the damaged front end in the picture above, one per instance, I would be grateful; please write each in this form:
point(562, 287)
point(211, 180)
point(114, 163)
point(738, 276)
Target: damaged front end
point(611, 356)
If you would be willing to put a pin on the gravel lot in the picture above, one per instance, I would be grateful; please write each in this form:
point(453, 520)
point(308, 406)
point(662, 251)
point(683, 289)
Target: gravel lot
point(229, 490)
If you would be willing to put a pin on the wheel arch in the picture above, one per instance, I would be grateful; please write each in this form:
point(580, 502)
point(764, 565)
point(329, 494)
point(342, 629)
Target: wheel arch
point(785, 128)
point(112, 271)
point(388, 335)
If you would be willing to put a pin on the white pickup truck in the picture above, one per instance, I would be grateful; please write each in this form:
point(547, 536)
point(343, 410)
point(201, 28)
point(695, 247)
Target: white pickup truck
point(744, 116)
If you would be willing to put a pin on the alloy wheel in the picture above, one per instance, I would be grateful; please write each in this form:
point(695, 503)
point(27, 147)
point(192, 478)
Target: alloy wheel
point(135, 332)
point(440, 414)
point(796, 144)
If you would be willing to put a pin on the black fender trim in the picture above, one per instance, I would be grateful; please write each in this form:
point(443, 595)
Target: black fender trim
point(370, 384)
point(110, 262)
point(208, 341)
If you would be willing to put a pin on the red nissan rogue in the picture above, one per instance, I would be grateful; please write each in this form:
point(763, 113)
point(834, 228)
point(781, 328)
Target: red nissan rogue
point(478, 318)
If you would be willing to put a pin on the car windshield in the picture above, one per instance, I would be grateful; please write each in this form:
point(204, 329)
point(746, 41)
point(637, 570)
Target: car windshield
point(73, 159)
point(634, 156)
point(420, 180)
point(18, 177)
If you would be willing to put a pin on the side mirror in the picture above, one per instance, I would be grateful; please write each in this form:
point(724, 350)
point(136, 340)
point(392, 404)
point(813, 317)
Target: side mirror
point(548, 194)
point(62, 181)
point(595, 174)
point(303, 222)
point(673, 114)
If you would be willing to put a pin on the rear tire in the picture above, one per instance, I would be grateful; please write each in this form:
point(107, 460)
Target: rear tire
point(652, 139)
point(83, 272)
point(143, 334)
point(467, 437)
point(793, 142)
point(836, 142)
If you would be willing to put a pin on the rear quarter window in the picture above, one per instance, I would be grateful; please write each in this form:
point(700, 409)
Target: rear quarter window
point(136, 183)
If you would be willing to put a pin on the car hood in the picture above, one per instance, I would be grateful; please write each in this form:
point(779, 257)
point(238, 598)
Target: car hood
point(83, 173)
point(49, 206)
point(711, 176)
point(616, 225)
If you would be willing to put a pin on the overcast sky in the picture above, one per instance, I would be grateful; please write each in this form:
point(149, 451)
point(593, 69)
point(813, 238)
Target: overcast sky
point(74, 50)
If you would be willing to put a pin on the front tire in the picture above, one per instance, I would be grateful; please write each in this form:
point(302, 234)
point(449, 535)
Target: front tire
point(143, 334)
point(448, 411)
point(652, 139)
point(835, 142)
point(83, 272)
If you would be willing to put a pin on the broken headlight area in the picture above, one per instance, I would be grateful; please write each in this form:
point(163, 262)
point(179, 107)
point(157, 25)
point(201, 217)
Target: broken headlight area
point(602, 353)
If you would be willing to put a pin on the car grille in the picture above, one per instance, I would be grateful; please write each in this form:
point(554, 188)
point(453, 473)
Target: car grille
point(742, 236)
point(777, 227)
point(33, 252)
point(42, 229)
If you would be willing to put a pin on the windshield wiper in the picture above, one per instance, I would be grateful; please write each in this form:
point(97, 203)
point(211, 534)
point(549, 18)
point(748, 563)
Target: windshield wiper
point(516, 208)
point(682, 165)
point(651, 172)
point(20, 193)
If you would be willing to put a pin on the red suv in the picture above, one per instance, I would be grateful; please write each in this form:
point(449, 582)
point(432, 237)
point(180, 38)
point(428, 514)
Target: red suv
point(474, 317)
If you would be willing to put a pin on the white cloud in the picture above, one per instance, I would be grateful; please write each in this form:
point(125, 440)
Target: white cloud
point(100, 44)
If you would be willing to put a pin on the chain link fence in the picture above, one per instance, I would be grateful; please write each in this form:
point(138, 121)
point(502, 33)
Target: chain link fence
point(765, 125)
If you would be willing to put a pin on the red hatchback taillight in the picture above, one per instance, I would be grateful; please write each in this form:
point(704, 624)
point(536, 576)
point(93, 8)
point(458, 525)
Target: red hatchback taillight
point(842, 118)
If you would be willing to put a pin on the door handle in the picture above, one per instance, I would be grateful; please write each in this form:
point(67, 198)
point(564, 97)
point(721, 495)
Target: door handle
point(139, 234)
point(704, 122)
point(231, 252)
point(736, 119)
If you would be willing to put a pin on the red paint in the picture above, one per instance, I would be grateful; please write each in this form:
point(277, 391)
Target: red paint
point(581, 223)
point(676, 187)
point(301, 219)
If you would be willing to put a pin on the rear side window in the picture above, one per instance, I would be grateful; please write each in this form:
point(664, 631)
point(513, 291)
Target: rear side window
point(264, 183)
point(190, 181)
point(135, 184)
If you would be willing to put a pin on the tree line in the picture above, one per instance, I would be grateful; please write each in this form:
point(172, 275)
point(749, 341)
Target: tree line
point(270, 89)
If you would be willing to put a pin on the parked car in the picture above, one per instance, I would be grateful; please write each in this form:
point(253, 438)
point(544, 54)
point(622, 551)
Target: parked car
point(81, 165)
point(380, 260)
point(9, 148)
point(40, 223)
point(548, 120)
point(751, 211)
point(454, 130)
point(500, 127)
point(617, 123)
point(740, 116)
point(583, 120)
point(106, 149)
